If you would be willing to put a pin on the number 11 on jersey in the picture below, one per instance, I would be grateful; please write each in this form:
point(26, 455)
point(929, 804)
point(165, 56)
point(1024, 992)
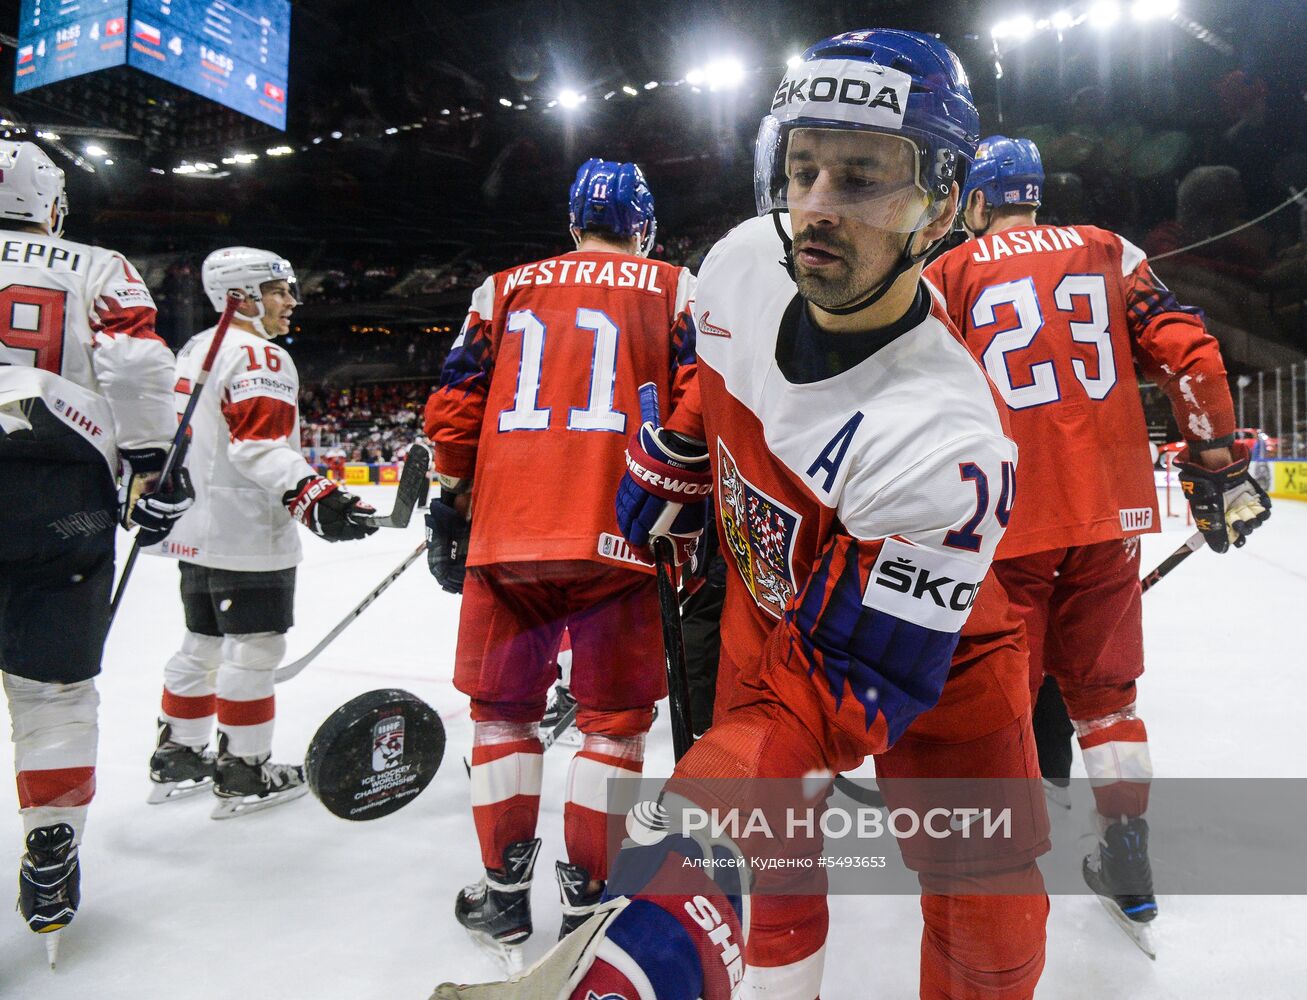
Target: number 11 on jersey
point(598, 414)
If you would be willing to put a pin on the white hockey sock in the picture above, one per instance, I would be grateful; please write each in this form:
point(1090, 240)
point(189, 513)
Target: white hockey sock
point(55, 732)
point(246, 680)
point(189, 684)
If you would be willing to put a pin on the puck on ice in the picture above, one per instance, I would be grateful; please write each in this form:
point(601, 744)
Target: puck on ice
point(375, 754)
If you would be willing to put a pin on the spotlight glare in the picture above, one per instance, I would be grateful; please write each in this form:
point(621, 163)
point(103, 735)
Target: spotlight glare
point(723, 74)
point(569, 98)
point(1062, 20)
point(651, 85)
point(793, 61)
point(1021, 27)
point(336, 135)
point(279, 151)
point(630, 91)
point(52, 136)
point(694, 77)
point(505, 102)
point(108, 163)
point(94, 150)
point(1104, 14)
point(1000, 30)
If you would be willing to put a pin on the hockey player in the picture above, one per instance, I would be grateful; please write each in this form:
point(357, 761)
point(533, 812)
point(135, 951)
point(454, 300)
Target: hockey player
point(85, 399)
point(1059, 315)
point(854, 443)
point(529, 424)
point(238, 547)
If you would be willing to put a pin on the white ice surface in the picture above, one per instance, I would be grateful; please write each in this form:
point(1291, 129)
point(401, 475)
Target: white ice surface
point(294, 904)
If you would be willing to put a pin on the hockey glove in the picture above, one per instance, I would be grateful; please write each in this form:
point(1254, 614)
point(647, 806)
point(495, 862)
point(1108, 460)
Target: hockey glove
point(1227, 504)
point(664, 490)
point(448, 532)
point(328, 511)
point(156, 513)
point(138, 474)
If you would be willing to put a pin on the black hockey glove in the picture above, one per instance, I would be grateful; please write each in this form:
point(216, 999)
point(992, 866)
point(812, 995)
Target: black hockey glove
point(1227, 504)
point(448, 532)
point(328, 511)
point(142, 502)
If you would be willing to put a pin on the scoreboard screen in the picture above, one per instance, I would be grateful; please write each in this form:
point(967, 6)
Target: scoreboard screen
point(234, 52)
point(58, 39)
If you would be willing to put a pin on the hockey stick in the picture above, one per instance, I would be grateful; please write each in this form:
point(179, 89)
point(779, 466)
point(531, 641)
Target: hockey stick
point(669, 607)
point(412, 484)
point(179, 438)
point(1192, 544)
point(291, 669)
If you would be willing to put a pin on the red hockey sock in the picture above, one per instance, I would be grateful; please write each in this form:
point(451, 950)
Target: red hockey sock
point(506, 773)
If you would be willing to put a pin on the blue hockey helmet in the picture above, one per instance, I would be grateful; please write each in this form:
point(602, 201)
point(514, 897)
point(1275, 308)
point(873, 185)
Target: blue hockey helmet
point(1007, 172)
point(900, 84)
point(614, 197)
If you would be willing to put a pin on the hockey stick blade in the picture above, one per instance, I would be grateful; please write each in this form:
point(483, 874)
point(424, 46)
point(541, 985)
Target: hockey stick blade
point(291, 669)
point(412, 484)
point(1192, 544)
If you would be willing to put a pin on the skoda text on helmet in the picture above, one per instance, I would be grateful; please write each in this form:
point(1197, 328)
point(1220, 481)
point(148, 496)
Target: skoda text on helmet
point(245, 270)
point(614, 197)
point(1007, 172)
point(900, 84)
point(31, 187)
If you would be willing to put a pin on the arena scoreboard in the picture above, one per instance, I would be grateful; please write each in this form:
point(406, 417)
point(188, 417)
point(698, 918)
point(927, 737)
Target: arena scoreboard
point(234, 52)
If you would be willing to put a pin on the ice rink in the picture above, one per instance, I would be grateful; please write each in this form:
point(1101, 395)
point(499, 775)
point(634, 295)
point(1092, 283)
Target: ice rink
point(294, 904)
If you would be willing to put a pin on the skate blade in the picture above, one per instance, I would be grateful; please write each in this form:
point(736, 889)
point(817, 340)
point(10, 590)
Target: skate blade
point(243, 805)
point(1141, 934)
point(52, 945)
point(172, 791)
point(508, 956)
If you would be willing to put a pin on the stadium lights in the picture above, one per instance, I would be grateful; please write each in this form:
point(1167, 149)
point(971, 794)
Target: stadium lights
point(392, 130)
point(94, 150)
point(241, 158)
point(570, 98)
point(279, 151)
point(108, 163)
point(1104, 14)
point(694, 77)
point(651, 85)
point(1148, 10)
point(720, 74)
point(52, 136)
point(793, 61)
point(1062, 20)
point(630, 91)
point(336, 135)
point(505, 102)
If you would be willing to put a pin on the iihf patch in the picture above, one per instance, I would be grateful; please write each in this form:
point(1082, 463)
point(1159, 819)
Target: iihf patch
point(760, 533)
point(375, 754)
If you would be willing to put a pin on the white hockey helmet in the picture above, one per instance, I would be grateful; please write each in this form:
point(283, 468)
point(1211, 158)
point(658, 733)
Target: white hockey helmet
point(31, 187)
point(245, 270)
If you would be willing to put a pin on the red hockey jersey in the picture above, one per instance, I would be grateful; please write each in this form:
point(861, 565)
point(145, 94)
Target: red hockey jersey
point(1059, 316)
point(541, 392)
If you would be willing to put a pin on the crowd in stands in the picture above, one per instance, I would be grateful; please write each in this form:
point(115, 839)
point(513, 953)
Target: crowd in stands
point(372, 423)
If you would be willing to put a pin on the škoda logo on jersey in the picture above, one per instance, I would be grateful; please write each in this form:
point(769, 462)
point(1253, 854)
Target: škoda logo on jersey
point(923, 585)
point(388, 743)
point(760, 533)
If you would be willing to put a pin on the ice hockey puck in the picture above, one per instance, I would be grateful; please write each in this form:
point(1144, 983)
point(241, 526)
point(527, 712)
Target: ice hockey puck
point(375, 754)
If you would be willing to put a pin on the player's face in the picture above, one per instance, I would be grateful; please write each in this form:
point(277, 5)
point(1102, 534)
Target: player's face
point(278, 304)
point(852, 197)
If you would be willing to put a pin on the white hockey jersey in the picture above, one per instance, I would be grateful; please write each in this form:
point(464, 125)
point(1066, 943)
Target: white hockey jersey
point(77, 330)
point(244, 454)
point(862, 511)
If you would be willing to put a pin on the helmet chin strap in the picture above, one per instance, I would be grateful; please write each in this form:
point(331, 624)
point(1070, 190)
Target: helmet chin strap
point(907, 259)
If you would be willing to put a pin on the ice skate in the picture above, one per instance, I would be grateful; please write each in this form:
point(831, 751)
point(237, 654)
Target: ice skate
point(1119, 872)
point(555, 974)
point(1057, 792)
point(497, 910)
point(178, 771)
point(578, 903)
point(245, 785)
point(49, 883)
